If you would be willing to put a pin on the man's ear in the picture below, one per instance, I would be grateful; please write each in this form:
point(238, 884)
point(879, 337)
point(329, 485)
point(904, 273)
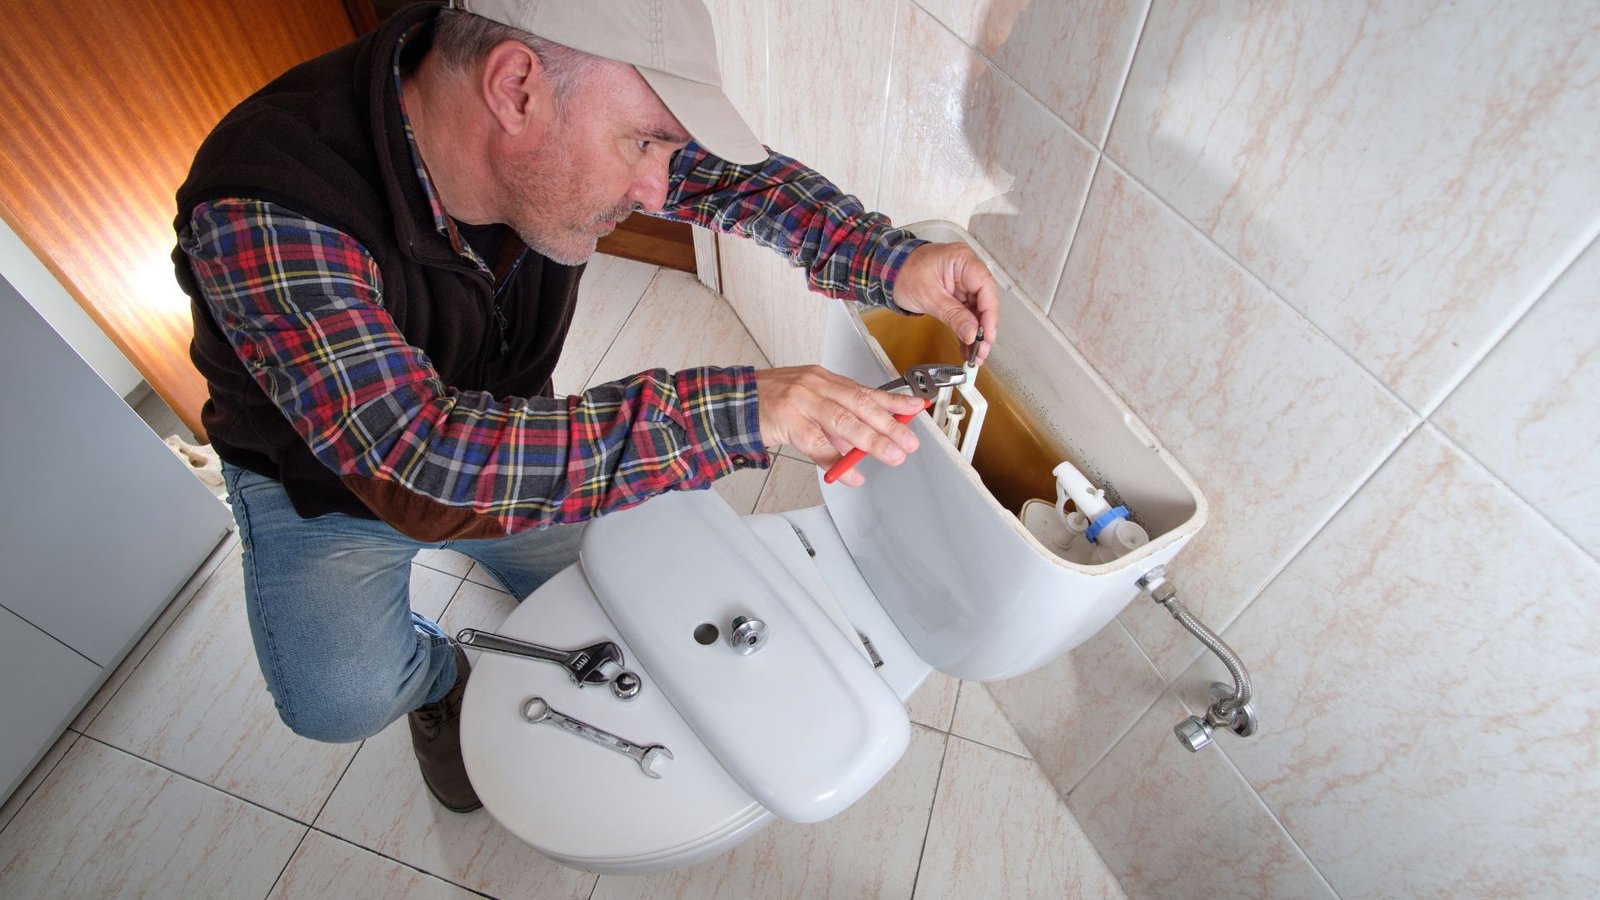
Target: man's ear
point(515, 89)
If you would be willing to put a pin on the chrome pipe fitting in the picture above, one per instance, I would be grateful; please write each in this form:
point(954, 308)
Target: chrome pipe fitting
point(1231, 707)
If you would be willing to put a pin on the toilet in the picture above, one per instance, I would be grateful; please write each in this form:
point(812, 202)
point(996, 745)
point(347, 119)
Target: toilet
point(776, 652)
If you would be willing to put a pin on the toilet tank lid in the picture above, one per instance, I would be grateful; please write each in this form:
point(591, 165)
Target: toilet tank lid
point(803, 723)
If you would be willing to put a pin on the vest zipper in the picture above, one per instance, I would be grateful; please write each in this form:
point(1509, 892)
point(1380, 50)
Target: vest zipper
point(498, 302)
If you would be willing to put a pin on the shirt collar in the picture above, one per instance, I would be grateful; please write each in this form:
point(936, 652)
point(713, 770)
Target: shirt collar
point(441, 219)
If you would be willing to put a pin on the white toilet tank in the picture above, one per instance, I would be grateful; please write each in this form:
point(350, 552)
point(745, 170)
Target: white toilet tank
point(939, 540)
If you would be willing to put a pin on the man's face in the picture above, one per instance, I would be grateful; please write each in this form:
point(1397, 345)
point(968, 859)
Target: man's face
point(603, 156)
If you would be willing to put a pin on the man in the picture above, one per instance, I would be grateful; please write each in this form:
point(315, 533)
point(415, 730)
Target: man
point(383, 247)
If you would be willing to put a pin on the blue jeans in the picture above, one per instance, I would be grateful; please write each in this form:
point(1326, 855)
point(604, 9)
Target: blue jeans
point(330, 608)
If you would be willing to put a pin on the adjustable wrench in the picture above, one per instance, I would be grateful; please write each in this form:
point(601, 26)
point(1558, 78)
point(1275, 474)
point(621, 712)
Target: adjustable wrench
point(651, 758)
point(594, 664)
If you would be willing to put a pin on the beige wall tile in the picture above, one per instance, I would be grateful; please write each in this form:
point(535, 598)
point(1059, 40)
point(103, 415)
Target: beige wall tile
point(326, 867)
point(827, 80)
point(1408, 175)
point(221, 727)
point(1528, 412)
point(1071, 54)
point(744, 266)
point(998, 830)
point(741, 27)
point(966, 144)
point(610, 290)
point(1170, 823)
point(869, 850)
point(106, 824)
point(772, 299)
point(1427, 674)
point(1071, 712)
point(382, 804)
point(1275, 422)
point(978, 718)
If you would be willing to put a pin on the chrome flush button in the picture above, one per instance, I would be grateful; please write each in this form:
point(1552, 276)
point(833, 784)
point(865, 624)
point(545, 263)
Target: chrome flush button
point(747, 635)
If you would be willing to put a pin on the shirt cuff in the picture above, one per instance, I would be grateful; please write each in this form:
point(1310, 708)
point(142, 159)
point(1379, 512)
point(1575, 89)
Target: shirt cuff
point(723, 422)
point(889, 253)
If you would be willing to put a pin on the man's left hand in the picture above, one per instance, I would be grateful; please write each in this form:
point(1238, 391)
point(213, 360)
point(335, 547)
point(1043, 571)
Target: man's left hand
point(950, 282)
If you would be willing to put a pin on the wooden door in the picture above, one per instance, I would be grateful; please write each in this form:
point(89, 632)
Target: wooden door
point(102, 105)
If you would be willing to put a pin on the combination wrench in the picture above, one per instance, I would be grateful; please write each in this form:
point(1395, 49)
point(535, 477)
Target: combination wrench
point(651, 759)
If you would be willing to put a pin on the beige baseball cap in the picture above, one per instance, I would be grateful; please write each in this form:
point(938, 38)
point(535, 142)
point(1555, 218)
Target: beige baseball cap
point(670, 43)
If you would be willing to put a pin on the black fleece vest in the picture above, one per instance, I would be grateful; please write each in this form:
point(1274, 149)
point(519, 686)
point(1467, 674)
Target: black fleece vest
point(326, 140)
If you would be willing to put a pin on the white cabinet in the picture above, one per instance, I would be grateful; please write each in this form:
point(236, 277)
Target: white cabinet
point(100, 526)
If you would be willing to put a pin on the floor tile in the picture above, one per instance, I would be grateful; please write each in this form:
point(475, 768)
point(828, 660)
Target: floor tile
point(381, 804)
point(793, 485)
point(478, 575)
point(607, 296)
point(199, 706)
point(477, 606)
point(448, 561)
point(678, 324)
point(220, 556)
point(934, 704)
point(743, 488)
point(106, 824)
point(870, 850)
point(977, 718)
point(1000, 830)
point(41, 771)
point(326, 867)
point(431, 590)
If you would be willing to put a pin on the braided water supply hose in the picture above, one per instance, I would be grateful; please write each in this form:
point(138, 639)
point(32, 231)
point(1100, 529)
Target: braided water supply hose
point(1230, 709)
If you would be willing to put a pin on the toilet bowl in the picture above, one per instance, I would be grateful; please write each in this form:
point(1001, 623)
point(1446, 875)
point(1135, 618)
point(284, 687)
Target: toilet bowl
point(852, 604)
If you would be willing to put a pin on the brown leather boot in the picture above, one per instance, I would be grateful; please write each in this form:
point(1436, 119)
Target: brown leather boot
point(436, 738)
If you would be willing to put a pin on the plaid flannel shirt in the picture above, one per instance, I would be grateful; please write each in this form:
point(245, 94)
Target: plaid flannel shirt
point(302, 304)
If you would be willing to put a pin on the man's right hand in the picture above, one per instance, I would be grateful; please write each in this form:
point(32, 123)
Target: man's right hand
point(825, 416)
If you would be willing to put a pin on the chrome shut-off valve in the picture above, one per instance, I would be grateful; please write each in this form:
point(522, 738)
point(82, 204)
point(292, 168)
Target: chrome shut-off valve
point(1230, 706)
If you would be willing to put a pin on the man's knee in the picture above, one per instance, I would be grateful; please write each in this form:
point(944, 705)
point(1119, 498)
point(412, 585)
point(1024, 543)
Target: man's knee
point(339, 717)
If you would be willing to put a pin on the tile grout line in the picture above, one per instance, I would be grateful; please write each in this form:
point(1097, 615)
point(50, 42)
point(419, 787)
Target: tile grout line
point(42, 779)
point(888, 92)
point(205, 784)
point(1277, 820)
point(1127, 74)
point(1457, 446)
point(1256, 280)
point(1100, 760)
point(287, 863)
point(1290, 556)
point(337, 781)
point(1589, 243)
point(979, 741)
point(1099, 156)
point(588, 376)
point(399, 862)
point(933, 803)
point(213, 562)
point(1359, 484)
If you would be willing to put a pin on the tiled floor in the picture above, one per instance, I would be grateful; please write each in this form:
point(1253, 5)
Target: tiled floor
point(179, 781)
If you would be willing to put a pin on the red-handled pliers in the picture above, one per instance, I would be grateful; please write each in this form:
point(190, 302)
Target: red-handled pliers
point(925, 382)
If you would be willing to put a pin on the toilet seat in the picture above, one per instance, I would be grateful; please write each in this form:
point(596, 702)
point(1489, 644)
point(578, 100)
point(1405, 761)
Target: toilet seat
point(573, 800)
point(589, 807)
